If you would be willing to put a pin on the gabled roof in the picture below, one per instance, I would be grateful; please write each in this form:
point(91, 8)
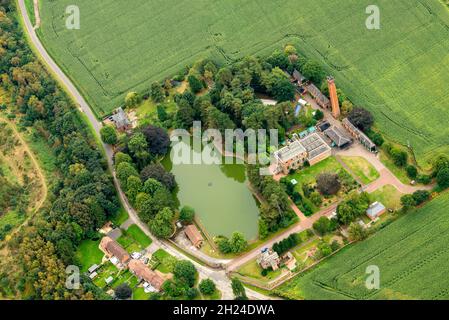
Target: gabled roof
point(363, 138)
point(375, 210)
point(193, 234)
point(319, 96)
point(114, 249)
point(337, 136)
point(298, 76)
point(315, 145)
point(141, 271)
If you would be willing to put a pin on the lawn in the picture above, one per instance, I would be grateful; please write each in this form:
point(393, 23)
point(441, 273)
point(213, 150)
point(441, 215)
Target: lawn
point(362, 169)
point(165, 261)
point(308, 176)
point(88, 254)
point(253, 270)
point(122, 47)
point(389, 196)
point(411, 254)
point(134, 239)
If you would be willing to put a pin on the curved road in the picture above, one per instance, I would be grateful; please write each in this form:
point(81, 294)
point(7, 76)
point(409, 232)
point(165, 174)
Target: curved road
point(220, 277)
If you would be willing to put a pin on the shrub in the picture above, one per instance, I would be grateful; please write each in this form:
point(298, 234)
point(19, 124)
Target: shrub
point(207, 287)
point(421, 196)
point(443, 178)
point(361, 118)
point(328, 183)
point(412, 172)
point(187, 214)
point(123, 291)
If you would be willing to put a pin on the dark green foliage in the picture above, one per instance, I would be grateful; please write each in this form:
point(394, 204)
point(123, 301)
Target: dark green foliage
point(108, 135)
point(352, 208)
point(123, 291)
point(195, 84)
point(361, 118)
point(157, 172)
point(187, 214)
point(412, 172)
point(184, 272)
point(290, 242)
point(207, 287)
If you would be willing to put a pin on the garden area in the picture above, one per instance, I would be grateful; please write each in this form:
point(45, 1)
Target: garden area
point(88, 254)
point(319, 186)
point(134, 239)
point(362, 169)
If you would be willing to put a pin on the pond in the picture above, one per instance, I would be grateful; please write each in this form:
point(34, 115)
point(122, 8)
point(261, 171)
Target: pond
point(220, 196)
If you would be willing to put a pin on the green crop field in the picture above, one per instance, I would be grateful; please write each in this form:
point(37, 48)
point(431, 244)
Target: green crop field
point(399, 72)
point(411, 254)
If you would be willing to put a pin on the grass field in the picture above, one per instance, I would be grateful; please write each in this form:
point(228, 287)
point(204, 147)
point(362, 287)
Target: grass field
point(362, 169)
point(88, 253)
point(398, 72)
point(406, 251)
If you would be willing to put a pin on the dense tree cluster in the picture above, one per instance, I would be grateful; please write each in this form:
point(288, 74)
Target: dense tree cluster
point(275, 213)
point(149, 190)
point(83, 196)
point(288, 243)
point(353, 207)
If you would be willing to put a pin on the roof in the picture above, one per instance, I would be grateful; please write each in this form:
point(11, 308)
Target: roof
point(141, 271)
point(298, 76)
point(338, 137)
point(363, 138)
point(315, 145)
point(114, 249)
point(120, 118)
point(319, 96)
point(375, 210)
point(291, 151)
point(193, 234)
point(268, 257)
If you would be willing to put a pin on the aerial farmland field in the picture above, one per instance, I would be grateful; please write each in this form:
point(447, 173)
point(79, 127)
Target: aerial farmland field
point(406, 252)
point(399, 72)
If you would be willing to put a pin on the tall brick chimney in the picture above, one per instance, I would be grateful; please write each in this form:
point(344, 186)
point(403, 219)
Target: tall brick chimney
point(334, 97)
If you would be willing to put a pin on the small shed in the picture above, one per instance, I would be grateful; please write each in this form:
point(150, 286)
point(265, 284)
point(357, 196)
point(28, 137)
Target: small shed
point(376, 210)
point(194, 235)
point(93, 268)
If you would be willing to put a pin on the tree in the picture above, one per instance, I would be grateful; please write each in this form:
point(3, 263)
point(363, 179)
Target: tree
point(316, 199)
point(162, 224)
point(283, 90)
point(319, 115)
point(133, 187)
point(123, 291)
point(187, 214)
point(361, 118)
point(328, 183)
point(157, 139)
point(443, 178)
point(124, 171)
point(238, 242)
point(207, 287)
point(192, 293)
point(421, 196)
point(138, 146)
point(157, 93)
point(346, 107)
point(322, 225)
point(352, 208)
point(357, 232)
point(412, 172)
point(195, 84)
point(313, 71)
point(157, 172)
point(132, 99)
point(408, 202)
point(120, 157)
point(108, 135)
point(151, 186)
point(185, 272)
point(238, 289)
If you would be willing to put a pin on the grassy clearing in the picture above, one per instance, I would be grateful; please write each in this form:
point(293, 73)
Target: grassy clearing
point(406, 251)
point(253, 270)
point(134, 239)
point(389, 196)
point(164, 261)
point(378, 69)
point(88, 254)
point(362, 169)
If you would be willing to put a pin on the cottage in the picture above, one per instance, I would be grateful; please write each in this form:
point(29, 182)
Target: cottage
point(143, 273)
point(338, 137)
point(269, 259)
point(376, 210)
point(194, 235)
point(120, 120)
point(320, 98)
point(298, 77)
point(359, 135)
point(113, 250)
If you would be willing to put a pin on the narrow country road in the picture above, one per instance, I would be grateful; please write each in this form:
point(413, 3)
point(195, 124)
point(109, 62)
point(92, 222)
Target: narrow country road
point(220, 277)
